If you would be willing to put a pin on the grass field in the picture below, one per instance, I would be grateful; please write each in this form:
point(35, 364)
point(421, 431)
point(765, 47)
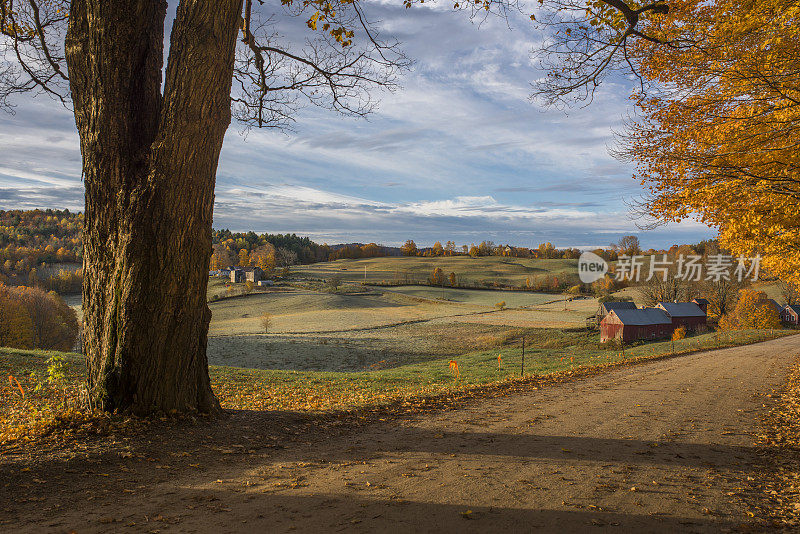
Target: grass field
point(469, 270)
point(312, 330)
point(237, 388)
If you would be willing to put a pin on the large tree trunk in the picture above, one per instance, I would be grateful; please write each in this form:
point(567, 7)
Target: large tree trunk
point(149, 166)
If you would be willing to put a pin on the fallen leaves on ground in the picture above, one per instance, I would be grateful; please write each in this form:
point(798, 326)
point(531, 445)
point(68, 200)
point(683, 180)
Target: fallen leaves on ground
point(776, 484)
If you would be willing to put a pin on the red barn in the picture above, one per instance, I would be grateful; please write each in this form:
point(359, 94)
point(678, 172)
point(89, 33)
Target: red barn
point(633, 325)
point(685, 314)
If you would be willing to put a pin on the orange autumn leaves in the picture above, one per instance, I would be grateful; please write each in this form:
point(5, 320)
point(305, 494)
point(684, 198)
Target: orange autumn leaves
point(753, 310)
point(31, 318)
point(719, 125)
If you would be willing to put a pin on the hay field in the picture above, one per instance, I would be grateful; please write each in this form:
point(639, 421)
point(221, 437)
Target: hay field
point(376, 329)
point(480, 297)
point(469, 270)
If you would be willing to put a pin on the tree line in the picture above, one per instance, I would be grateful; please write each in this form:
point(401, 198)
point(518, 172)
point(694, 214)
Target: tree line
point(34, 243)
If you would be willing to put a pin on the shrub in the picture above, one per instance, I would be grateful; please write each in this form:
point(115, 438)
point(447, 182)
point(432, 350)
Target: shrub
point(501, 305)
point(679, 333)
point(333, 283)
point(574, 290)
point(266, 322)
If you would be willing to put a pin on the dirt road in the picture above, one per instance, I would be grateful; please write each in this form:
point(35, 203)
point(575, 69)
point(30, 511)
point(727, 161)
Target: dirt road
point(661, 447)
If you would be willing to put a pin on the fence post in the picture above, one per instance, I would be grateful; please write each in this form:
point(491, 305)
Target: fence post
point(522, 367)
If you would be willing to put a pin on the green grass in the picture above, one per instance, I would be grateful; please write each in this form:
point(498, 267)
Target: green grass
point(469, 270)
point(481, 297)
point(548, 351)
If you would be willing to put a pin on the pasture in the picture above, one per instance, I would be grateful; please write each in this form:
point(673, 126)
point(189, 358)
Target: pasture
point(413, 382)
point(377, 327)
point(412, 269)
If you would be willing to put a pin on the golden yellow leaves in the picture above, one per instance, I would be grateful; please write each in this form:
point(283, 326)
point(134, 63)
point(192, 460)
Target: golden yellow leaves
point(719, 144)
point(753, 310)
point(325, 17)
point(679, 333)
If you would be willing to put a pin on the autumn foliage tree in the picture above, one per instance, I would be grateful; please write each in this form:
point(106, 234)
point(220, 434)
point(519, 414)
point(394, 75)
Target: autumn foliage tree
point(719, 124)
point(438, 278)
point(31, 318)
point(409, 248)
point(16, 327)
point(753, 310)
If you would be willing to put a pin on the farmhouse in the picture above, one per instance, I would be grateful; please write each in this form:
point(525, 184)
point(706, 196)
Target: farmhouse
point(686, 314)
point(791, 314)
point(247, 274)
point(633, 324)
point(608, 307)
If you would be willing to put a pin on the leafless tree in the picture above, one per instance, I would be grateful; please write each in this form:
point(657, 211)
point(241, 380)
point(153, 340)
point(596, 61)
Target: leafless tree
point(721, 294)
point(657, 289)
point(789, 292)
point(150, 137)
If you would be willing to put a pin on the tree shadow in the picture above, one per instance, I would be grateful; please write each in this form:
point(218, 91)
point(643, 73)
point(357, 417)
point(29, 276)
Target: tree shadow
point(168, 458)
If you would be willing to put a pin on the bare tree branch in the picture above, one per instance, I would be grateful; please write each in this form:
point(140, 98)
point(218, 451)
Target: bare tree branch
point(273, 79)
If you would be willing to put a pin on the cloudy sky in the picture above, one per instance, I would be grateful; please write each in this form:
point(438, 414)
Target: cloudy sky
point(457, 153)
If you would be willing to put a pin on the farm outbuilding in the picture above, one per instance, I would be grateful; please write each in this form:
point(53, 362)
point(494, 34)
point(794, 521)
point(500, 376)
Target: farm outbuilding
point(775, 305)
point(608, 307)
point(686, 314)
point(791, 314)
point(247, 274)
point(630, 325)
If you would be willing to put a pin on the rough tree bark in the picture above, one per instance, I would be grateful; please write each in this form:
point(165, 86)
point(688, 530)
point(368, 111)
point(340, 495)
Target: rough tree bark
point(149, 166)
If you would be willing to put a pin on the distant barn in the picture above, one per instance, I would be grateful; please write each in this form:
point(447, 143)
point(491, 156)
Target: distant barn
point(247, 274)
point(629, 325)
point(791, 314)
point(608, 307)
point(686, 314)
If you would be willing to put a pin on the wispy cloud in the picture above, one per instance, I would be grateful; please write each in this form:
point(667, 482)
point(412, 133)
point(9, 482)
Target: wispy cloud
point(458, 152)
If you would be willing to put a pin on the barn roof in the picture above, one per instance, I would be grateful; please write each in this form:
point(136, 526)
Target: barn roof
point(621, 305)
point(682, 309)
point(794, 307)
point(699, 301)
point(644, 316)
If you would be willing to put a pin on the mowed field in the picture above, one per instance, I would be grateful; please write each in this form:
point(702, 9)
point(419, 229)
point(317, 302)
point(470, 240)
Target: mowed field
point(336, 332)
point(469, 270)
point(363, 328)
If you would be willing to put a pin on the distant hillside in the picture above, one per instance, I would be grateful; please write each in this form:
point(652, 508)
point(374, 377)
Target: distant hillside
point(36, 245)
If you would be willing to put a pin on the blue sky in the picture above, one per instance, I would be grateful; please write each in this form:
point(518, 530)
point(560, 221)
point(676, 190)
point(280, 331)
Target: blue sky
point(457, 153)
